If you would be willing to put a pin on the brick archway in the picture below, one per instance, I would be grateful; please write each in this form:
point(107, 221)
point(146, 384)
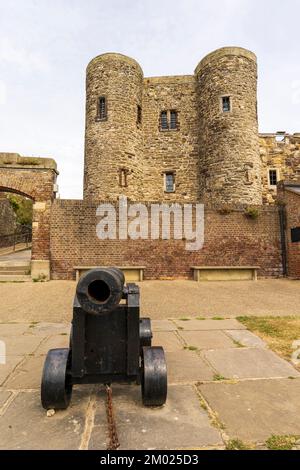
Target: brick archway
point(34, 178)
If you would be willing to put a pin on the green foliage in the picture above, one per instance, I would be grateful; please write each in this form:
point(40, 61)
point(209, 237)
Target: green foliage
point(22, 208)
point(286, 442)
point(236, 444)
point(252, 212)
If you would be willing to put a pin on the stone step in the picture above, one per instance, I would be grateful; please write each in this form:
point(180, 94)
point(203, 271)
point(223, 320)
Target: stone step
point(15, 272)
point(24, 267)
point(15, 278)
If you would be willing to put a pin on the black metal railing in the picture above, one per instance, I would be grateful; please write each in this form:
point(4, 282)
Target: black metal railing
point(22, 235)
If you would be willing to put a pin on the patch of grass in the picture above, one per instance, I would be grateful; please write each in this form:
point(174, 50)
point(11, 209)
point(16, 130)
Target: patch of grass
point(218, 377)
point(191, 348)
point(200, 318)
point(286, 442)
point(236, 444)
point(184, 319)
point(218, 318)
point(63, 334)
point(238, 344)
point(278, 332)
point(33, 324)
point(180, 328)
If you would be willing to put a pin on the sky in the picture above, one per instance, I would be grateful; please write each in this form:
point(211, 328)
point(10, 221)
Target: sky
point(45, 46)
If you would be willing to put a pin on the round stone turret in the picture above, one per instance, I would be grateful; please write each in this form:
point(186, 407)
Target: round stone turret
point(228, 128)
point(113, 138)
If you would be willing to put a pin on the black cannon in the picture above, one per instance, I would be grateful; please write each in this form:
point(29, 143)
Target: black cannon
point(109, 342)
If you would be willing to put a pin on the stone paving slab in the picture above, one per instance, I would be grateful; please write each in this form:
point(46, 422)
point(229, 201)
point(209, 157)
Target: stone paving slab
point(7, 369)
point(246, 338)
point(25, 425)
point(53, 342)
point(28, 375)
point(48, 329)
point(207, 339)
point(245, 363)
point(21, 345)
point(163, 325)
point(167, 339)
point(254, 410)
point(4, 395)
point(196, 325)
point(187, 367)
point(182, 423)
point(13, 329)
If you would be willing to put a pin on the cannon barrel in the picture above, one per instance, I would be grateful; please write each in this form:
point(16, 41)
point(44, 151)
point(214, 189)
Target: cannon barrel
point(100, 290)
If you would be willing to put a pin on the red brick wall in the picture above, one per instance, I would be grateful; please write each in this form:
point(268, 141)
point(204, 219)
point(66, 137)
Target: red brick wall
point(292, 201)
point(230, 239)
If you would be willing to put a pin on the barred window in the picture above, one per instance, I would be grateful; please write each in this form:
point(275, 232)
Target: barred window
point(273, 177)
point(169, 182)
point(226, 104)
point(164, 125)
point(101, 109)
point(173, 119)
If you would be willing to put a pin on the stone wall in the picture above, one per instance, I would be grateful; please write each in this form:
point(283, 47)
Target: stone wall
point(214, 155)
point(231, 239)
point(283, 154)
point(35, 178)
point(113, 144)
point(7, 217)
point(229, 150)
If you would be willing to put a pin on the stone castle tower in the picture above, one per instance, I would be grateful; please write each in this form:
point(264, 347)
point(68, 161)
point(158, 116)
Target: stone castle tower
point(178, 138)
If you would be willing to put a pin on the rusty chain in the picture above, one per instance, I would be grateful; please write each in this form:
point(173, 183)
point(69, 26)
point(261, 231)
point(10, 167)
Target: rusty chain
point(112, 428)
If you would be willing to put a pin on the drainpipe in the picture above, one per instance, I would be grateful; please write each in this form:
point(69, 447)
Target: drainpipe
point(282, 222)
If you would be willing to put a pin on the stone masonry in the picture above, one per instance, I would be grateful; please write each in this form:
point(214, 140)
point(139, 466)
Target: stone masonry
point(215, 156)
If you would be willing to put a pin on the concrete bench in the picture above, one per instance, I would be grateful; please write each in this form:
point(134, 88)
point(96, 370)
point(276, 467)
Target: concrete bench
point(131, 273)
point(225, 273)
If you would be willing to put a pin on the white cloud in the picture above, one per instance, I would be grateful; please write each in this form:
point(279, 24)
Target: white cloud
point(20, 56)
point(3, 92)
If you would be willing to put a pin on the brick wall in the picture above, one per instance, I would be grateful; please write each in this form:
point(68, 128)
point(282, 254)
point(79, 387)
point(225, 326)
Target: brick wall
point(230, 239)
point(292, 201)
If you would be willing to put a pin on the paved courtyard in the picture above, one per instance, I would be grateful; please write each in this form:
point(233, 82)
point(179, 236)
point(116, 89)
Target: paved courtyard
point(52, 301)
point(224, 383)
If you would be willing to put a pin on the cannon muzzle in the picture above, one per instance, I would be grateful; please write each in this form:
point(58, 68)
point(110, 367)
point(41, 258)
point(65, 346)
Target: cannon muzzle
point(100, 290)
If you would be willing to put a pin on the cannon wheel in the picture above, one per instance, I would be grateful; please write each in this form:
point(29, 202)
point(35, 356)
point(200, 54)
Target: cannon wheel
point(154, 376)
point(56, 389)
point(145, 333)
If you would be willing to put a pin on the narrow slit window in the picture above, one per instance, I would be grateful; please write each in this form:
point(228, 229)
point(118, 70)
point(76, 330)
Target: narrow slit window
point(123, 178)
point(139, 115)
point(273, 177)
point(226, 104)
point(102, 110)
point(169, 182)
point(173, 120)
point(164, 120)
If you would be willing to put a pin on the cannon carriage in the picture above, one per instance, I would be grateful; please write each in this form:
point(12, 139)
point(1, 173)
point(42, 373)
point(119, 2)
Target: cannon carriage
point(109, 342)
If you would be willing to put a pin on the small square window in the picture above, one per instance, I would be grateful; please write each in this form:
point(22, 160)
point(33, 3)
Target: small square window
point(169, 182)
point(273, 178)
point(226, 104)
point(101, 108)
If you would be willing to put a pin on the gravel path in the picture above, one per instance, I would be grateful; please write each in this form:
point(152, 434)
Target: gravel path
point(52, 301)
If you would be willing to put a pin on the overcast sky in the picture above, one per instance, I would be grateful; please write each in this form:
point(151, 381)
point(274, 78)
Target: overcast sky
point(45, 46)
